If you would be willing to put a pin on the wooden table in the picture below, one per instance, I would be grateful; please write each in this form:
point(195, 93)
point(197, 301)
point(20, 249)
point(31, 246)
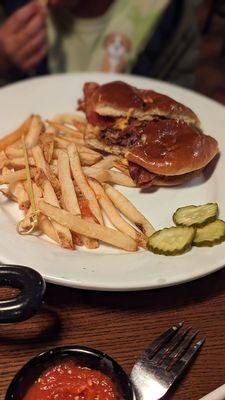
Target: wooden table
point(122, 324)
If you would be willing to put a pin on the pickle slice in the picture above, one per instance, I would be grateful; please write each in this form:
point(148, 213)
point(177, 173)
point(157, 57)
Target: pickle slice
point(172, 241)
point(196, 216)
point(210, 234)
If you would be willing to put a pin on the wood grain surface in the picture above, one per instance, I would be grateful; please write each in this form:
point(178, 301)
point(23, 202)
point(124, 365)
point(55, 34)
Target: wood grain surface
point(123, 324)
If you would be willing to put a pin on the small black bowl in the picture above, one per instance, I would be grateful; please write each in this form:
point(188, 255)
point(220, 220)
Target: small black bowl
point(83, 356)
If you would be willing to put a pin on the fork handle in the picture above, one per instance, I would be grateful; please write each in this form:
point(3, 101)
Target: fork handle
point(218, 394)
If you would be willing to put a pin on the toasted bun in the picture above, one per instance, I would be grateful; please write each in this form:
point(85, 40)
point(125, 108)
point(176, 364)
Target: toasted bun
point(173, 148)
point(175, 180)
point(117, 99)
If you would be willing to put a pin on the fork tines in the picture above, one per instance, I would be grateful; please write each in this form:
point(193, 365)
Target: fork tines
point(174, 349)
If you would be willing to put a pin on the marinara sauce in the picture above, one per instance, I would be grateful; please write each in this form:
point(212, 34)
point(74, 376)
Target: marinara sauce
point(68, 381)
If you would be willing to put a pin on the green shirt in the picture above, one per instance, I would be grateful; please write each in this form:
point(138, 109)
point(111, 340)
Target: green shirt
point(107, 43)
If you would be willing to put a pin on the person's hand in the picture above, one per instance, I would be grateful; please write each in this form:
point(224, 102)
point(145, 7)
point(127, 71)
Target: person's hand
point(23, 38)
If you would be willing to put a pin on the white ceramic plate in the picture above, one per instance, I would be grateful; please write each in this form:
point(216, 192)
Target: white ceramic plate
point(108, 268)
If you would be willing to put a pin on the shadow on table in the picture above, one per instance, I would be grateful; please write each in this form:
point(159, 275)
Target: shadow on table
point(44, 327)
point(153, 300)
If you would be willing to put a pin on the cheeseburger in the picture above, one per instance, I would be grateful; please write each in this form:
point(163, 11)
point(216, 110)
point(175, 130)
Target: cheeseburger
point(160, 138)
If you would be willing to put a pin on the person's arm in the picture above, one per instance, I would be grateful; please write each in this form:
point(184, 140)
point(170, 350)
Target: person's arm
point(23, 39)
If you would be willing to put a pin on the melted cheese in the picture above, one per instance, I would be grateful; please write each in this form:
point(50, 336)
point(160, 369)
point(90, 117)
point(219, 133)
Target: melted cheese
point(123, 122)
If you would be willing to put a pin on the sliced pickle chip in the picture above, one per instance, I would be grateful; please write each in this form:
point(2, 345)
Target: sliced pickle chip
point(210, 234)
point(196, 216)
point(172, 241)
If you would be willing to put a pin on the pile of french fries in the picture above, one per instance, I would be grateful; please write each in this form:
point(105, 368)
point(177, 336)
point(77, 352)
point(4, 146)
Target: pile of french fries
point(65, 188)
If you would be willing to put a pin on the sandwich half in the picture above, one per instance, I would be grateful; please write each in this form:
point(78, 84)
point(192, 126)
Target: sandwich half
point(160, 138)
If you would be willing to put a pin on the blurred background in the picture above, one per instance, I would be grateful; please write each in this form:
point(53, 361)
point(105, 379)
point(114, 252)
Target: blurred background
point(181, 41)
point(210, 69)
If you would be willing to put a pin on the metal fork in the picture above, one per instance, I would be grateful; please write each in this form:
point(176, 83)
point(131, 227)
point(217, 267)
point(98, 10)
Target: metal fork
point(163, 362)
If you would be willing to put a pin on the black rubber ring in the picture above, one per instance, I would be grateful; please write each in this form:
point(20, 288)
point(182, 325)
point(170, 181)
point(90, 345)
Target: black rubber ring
point(27, 303)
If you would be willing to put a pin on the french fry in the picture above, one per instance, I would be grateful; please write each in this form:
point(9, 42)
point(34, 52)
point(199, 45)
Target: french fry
point(88, 156)
point(121, 167)
point(36, 127)
point(39, 159)
point(47, 228)
point(96, 173)
point(114, 216)
point(25, 224)
point(43, 165)
point(61, 143)
point(6, 192)
point(12, 152)
point(82, 183)
point(120, 179)
point(106, 163)
point(75, 140)
point(6, 170)
point(47, 145)
point(44, 223)
point(65, 129)
point(16, 145)
point(55, 160)
point(77, 239)
point(90, 229)
point(80, 118)
point(88, 216)
point(17, 189)
point(19, 162)
point(80, 125)
point(69, 198)
point(84, 149)
point(63, 233)
point(68, 192)
point(3, 159)
point(71, 136)
point(65, 118)
point(88, 159)
point(54, 167)
point(50, 130)
point(14, 176)
point(109, 176)
point(81, 149)
point(16, 135)
point(129, 210)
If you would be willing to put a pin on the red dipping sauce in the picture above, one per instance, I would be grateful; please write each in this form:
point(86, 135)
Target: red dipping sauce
point(68, 381)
